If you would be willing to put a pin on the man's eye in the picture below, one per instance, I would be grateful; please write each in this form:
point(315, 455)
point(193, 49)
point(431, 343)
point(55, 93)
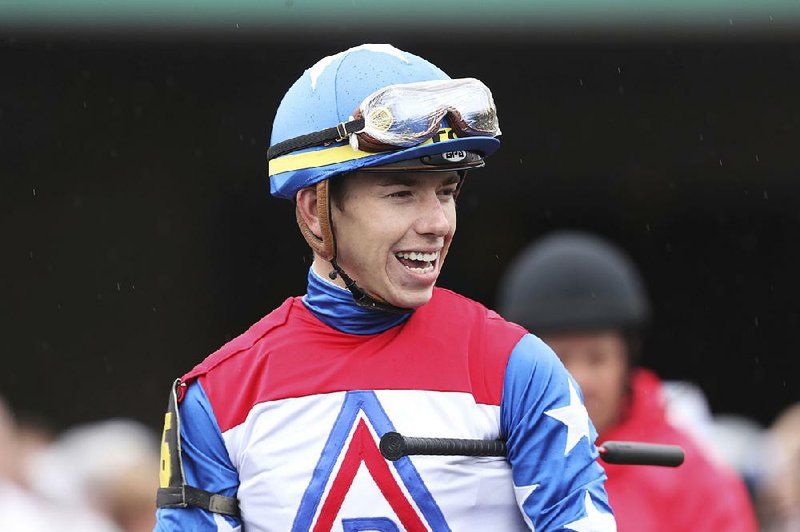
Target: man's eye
point(400, 194)
point(448, 191)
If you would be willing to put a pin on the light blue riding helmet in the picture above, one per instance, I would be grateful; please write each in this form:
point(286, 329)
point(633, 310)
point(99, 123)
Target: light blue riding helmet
point(327, 94)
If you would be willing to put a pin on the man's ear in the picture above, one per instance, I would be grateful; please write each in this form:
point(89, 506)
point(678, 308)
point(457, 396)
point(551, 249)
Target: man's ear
point(311, 210)
point(307, 212)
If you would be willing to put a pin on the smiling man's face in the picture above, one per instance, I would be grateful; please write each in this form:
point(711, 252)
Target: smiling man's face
point(393, 231)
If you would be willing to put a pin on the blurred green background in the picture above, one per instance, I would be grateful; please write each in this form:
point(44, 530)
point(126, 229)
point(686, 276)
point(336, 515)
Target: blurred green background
point(501, 15)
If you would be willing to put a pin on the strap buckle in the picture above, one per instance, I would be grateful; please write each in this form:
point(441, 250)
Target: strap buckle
point(341, 130)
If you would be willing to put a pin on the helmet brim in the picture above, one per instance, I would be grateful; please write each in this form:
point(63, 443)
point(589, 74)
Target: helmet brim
point(484, 146)
point(286, 184)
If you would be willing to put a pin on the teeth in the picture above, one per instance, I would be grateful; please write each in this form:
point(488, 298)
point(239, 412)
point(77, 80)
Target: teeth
point(418, 255)
point(426, 269)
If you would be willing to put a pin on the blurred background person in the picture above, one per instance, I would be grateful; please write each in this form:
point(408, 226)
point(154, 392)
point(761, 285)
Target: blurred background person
point(585, 298)
point(94, 477)
point(778, 492)
point(19, 510)
point(104, 472)
point(33, 435)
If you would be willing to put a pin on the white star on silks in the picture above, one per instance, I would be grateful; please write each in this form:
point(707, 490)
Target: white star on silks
point(595, 520)
point(522, 493)
point(575, 417)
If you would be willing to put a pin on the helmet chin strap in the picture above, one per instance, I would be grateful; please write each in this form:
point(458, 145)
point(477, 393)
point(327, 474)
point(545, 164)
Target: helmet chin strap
point(325, 247)
point(361, 297)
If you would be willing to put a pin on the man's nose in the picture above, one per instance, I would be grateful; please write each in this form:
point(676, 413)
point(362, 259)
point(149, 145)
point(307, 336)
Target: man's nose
point(433, 217)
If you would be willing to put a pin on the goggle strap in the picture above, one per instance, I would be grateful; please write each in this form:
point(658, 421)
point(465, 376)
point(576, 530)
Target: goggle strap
point(319, 138)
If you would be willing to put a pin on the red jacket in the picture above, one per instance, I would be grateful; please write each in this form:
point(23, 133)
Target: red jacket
point(698, 496)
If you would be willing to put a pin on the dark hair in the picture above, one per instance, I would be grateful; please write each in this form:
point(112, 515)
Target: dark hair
point(337, 190)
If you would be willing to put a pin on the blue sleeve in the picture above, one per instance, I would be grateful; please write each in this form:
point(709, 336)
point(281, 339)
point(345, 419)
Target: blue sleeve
point(557, 480)
point(206, 465)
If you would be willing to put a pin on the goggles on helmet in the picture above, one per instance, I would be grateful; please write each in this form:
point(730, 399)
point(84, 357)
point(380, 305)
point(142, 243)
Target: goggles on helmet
point(405, 115)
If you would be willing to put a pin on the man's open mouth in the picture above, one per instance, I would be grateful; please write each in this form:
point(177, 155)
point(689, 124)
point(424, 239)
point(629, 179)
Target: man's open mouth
point(418, 261)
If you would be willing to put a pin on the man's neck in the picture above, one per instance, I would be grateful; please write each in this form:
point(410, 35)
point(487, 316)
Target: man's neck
point(323, 269)
point(334, 305)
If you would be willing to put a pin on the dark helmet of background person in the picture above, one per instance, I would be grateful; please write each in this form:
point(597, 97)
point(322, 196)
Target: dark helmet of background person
point(573, 281)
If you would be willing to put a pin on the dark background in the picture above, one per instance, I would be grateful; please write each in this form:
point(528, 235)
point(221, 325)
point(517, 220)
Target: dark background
point(138, 234)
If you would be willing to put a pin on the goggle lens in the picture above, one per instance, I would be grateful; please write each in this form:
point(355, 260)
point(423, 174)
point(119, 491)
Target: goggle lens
point(406, 115)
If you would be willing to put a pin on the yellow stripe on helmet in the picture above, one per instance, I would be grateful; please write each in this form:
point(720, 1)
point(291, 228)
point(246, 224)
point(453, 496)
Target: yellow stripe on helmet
point(335, 154)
